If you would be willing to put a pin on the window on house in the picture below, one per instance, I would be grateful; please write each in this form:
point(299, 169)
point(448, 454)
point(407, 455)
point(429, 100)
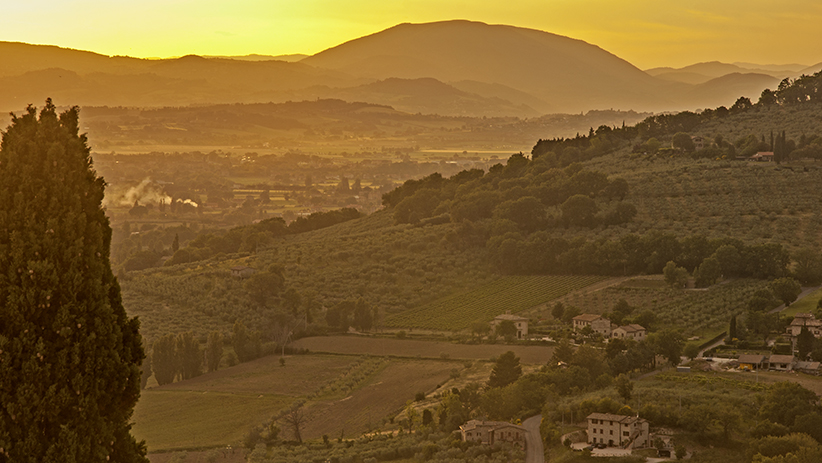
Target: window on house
point(625, 433)
point(612, 432)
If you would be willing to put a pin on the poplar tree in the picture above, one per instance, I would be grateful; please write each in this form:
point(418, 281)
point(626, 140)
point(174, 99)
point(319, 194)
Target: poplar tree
point(70, 357)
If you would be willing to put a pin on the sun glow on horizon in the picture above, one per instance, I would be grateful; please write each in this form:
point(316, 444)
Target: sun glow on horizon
point(646, 33)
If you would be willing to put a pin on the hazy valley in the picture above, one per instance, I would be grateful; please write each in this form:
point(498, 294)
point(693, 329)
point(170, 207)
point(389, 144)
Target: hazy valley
point(332, 257)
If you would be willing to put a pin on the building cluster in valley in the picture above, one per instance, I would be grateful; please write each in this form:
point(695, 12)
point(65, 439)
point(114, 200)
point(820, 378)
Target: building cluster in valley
point(601, 325)
point(787, 363)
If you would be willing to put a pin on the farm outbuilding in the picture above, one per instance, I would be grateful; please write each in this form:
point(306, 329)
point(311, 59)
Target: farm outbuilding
point(491, 432)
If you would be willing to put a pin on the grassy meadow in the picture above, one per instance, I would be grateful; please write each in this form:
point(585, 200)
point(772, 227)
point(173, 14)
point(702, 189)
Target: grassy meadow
point(343, 394)
point(508, 294)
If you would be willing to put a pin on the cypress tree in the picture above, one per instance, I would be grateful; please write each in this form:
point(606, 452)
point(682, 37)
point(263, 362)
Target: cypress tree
point(732, 328)
point(69, 356)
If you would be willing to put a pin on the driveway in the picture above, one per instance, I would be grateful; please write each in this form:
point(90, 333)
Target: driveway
point(534, 452)
point(805, 292)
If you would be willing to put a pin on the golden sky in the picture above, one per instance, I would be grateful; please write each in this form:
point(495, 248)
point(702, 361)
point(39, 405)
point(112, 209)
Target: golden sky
point(647, 33)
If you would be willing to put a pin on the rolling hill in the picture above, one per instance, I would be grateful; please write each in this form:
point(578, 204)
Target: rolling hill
point(570, 74)
point(447, 68)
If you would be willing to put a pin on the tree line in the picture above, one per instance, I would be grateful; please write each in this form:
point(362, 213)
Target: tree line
point(516, 196)
point(560, 152)
point(251, 237)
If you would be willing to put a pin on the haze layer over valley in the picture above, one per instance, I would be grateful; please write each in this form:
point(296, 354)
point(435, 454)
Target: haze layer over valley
point(450, 68)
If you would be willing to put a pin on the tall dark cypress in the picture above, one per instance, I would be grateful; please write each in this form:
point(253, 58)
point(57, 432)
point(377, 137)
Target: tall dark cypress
point(69, 355)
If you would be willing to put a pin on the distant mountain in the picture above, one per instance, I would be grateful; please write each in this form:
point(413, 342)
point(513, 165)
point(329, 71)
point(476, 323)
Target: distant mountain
point(812, 69)
point(727, 89)
point(30, 73)
point(17, 58)
point(254, 57)
point(506, 93)
point(701, 73)
point(793, 67)
point(451, 68)
point(570, 75)
point(427, 96)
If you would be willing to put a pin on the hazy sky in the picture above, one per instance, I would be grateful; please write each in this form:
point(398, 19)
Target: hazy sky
point(647, 33)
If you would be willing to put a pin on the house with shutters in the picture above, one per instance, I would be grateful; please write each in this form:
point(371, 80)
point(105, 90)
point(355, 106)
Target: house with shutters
point(628, 432)
point(598, 323)
point(632, 331)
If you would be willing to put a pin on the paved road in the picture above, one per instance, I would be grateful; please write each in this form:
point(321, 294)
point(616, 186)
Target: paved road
point(804, 293)
point(533, 441)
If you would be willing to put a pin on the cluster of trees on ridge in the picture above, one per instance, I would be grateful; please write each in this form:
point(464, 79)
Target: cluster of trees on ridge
point(505, 210)
point(805, 90)
point(512, 198)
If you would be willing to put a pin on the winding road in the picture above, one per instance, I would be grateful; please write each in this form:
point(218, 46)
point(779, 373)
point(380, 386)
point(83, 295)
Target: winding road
point(533, 441)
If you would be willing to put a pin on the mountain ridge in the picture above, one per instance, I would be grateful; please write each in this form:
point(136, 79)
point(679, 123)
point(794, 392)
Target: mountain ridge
point(501, 70)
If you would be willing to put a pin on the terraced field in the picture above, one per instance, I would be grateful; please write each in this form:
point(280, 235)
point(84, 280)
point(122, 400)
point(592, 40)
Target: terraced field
point(513, 293)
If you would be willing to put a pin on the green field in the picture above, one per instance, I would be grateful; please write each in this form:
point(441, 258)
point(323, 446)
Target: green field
point(170, 420)
point(348, 394)
point(513, 293)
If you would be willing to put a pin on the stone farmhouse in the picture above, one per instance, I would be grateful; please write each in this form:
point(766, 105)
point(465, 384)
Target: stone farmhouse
point(603, 326)
point(805, 319)
point(628, 432)
point(520, 322)
point(491, 432)
point(632, 331)
point(801, 320)
point(597, 323)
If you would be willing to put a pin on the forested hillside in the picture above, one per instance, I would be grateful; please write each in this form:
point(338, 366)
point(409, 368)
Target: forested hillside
point(618, 201)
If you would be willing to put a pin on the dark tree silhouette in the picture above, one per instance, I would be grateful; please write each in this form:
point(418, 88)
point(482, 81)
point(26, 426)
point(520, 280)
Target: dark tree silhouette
point(70, 357)
point(506, 370)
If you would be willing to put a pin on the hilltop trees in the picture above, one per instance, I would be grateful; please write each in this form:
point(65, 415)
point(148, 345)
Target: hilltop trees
point(71, 358)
